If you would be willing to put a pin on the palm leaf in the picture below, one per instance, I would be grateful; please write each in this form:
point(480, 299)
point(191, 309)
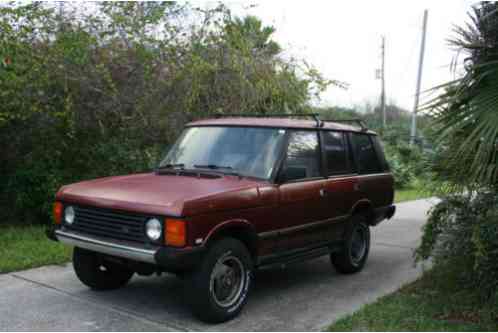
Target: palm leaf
point(466, 109)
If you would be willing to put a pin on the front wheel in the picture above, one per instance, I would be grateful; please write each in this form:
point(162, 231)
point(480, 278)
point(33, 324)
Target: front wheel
point(220, 286)
point(97, 273)
point(355, 249)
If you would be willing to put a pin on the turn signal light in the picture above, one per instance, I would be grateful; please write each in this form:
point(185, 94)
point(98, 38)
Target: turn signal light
point(57, 212)
point(176, 233)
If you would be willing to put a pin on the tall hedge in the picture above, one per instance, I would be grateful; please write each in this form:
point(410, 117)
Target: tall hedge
point(102, 91)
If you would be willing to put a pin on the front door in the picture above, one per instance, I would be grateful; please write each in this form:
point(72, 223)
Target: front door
point(302, 207)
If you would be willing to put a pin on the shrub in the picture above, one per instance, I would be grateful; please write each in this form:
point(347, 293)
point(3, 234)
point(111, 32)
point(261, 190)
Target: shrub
point(89, 94)
point(402, 172)
point(34, 185)
point(407, 163)
point(462, 233)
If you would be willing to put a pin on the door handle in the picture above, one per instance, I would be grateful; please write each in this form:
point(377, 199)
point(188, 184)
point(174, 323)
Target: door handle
point(356, 186)
point(323, 192)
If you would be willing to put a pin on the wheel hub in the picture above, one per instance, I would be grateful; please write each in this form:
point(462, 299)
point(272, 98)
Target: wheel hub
point(227, 281)
point(358, 245)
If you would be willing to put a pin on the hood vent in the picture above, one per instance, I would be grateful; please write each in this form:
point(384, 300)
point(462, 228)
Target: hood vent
point(189, 173)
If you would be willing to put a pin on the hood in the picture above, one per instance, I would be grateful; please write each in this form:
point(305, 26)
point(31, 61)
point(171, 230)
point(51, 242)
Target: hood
point(163, 194)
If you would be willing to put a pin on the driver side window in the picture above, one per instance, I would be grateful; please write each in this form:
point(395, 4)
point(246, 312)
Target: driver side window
point(303, 157)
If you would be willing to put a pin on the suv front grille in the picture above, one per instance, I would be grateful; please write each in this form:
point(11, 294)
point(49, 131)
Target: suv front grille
point(109, 223)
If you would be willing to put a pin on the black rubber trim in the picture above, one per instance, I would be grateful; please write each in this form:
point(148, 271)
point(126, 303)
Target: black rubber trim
point(50, 232)
point(301, 227)
point(300, 254)
point(382, 213)
point(172, 259)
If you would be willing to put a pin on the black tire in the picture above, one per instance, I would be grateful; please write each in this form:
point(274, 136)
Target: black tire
point(225, 269)
point(353, 255)
point(99, 274)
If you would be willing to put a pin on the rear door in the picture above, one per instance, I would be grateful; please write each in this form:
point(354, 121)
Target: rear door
point(340, 188)
point(301, 184)
point(375, 182)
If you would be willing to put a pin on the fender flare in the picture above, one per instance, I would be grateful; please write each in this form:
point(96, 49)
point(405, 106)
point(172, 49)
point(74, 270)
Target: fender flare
point(240, 228)
point(363, 205)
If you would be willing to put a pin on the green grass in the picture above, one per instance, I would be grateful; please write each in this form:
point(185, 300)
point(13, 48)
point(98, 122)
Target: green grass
point(23, 247)
point(408, 194)
point(429, 304)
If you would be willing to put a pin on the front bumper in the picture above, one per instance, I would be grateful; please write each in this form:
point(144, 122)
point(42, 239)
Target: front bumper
point(112, 248)
point(171, 259)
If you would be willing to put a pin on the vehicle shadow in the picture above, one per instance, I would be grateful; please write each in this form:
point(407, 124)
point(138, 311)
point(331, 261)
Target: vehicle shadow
point(298, 296)
point(164, 299)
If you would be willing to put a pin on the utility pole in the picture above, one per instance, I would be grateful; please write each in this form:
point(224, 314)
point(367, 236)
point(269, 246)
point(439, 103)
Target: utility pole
point(383, 83)
point(413, 133)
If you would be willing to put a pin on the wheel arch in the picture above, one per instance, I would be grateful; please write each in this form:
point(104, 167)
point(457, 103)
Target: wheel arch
point(239, 229)
point(364, 207)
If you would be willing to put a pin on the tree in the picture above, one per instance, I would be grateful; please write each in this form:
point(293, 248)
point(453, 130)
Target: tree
point(85, 94)
point(466, 111)
point(461, 234)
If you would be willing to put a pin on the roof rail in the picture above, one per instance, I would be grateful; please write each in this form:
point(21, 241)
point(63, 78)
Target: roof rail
point(358, 121)
point(315, 116)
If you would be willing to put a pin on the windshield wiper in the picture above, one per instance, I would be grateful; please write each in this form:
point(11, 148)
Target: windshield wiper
point(212, 166)
point(172, 166)
point(217, 167)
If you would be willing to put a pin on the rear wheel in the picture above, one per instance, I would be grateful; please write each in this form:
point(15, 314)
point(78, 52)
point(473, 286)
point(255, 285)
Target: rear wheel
point(98, 273)
point(355, 249)
point(220, 286)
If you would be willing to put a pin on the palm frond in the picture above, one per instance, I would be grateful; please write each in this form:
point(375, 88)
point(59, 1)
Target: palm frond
point(466, 109)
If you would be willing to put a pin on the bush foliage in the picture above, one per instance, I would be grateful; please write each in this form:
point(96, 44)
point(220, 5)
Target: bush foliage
point(461, 233)
point(462, 230)
point(90, 93)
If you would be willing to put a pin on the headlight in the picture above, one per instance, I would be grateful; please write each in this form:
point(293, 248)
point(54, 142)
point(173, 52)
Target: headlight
point(69, 215)
point(153, 229)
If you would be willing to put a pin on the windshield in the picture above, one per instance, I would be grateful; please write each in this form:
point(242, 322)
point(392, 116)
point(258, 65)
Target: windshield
point(244, 150)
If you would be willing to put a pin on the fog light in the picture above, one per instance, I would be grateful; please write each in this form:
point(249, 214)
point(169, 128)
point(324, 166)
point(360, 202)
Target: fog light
point(69, 215)
point(153, 229)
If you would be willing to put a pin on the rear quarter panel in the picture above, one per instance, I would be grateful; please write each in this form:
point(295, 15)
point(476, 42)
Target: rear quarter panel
point(378, 189)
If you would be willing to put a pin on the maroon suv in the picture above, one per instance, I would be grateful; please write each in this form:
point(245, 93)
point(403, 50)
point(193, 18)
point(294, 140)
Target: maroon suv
point(231, 196)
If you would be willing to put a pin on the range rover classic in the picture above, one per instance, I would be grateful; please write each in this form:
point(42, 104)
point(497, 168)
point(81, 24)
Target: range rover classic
point(232, 195)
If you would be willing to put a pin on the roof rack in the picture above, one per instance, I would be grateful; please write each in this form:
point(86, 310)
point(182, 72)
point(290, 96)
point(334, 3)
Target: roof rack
point(315, 116)
point(359, 122)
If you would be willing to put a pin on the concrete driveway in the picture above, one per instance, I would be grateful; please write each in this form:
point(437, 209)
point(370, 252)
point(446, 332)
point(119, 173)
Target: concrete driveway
point(301, 297)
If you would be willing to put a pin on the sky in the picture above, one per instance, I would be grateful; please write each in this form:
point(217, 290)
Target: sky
point(342, 40)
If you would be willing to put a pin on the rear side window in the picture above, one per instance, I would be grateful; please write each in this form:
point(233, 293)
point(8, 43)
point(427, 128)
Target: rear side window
point(334, 146)
point(366, 155)
point(380, 153)
point(303, 158)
